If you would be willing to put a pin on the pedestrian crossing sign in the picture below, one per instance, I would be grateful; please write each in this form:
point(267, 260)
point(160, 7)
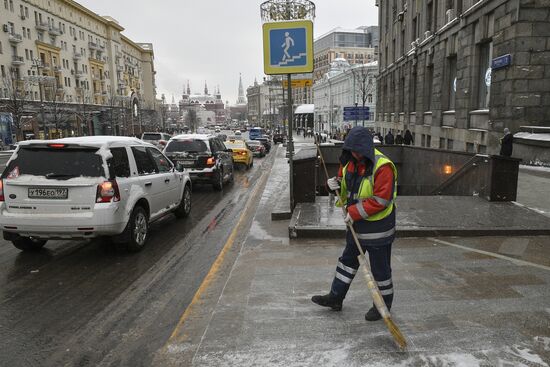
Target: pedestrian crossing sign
point(288, 47)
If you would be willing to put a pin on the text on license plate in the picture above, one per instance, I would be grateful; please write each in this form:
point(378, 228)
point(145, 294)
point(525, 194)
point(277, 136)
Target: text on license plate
point(48, 193)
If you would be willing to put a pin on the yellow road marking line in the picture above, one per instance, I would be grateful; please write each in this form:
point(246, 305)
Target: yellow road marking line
point(493, 254)
point(215, 266)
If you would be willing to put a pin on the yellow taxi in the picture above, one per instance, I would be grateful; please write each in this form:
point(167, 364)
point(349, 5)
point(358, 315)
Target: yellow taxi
point(241, 153)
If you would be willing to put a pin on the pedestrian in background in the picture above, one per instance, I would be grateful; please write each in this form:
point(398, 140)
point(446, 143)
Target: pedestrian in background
point(408, 139)
point(388, 139)
point(506, 143)
point(367, 181)
point(399, 139)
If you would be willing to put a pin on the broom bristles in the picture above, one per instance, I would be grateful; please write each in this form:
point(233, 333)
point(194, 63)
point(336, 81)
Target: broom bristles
point(398, 337)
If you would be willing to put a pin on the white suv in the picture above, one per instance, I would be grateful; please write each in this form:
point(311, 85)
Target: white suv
point(88, 187)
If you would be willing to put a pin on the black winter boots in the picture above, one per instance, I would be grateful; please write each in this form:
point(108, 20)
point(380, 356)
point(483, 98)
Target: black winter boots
point(373, 314)
point(328, 300)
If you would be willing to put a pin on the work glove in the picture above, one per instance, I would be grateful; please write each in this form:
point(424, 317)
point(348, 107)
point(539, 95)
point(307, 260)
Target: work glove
point(348, 219)
point(333, 183)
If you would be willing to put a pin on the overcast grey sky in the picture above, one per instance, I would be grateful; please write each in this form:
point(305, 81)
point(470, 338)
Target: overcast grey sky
point(214, 40)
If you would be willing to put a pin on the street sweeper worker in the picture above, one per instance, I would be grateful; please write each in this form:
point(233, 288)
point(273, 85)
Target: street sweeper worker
point(367, 181)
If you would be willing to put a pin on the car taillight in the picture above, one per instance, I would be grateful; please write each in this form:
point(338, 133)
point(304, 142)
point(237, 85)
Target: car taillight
point(242, 153)
point(210, 161)
point(107, 192)
point(1, 190)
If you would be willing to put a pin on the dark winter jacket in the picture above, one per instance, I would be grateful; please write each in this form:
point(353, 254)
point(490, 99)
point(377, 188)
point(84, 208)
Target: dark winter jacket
point(408, 139)
point(506, 145)
point(388, 139)
point(399, 139)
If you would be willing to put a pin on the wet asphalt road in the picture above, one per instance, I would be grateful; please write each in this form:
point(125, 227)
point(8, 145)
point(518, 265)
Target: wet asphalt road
point(85, 303)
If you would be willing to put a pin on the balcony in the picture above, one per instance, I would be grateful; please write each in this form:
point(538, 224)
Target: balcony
point(55, 31)
point(42, 26)
point(57, 69)
point(96, 76)
point(46, 67)
point(77, 56)
point(15, 38)
point(79, 75)
point(17, 60)
point(93, 46)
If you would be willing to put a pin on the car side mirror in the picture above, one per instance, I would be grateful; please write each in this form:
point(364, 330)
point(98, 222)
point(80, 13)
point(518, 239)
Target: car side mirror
point(179, 167)
point(228, 150)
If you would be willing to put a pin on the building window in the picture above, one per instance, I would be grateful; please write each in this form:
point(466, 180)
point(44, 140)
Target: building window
point(429, 15)
point(450, 144)
point(1, 52)
point(428, 88)
point(484, 79)
point(441, 143)
point(470, 147)
point(423, 140)
point(412, 91)
point(428, 141)
point(452, 82)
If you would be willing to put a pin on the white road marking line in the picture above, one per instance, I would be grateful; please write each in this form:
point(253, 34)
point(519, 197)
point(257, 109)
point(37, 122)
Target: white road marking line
point(498, 256)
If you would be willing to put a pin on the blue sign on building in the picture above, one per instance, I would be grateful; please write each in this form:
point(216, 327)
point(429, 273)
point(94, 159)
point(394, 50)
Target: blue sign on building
point(501, 61)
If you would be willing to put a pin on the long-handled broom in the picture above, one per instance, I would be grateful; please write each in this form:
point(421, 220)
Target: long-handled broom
point(379, 303)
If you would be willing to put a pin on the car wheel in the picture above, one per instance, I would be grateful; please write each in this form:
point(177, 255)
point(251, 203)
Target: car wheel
point(28, 243)
point(184, 208)
point(232, 177)
point(138, 229)
point(218, 180)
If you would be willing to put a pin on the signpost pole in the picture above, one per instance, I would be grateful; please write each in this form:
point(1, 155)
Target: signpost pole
point(290, 143)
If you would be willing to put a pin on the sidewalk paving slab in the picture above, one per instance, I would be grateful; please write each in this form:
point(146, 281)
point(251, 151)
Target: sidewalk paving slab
point(456, 303)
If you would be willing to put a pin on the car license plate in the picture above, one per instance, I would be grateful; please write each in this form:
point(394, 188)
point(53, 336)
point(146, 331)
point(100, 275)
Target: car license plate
point(48, 193)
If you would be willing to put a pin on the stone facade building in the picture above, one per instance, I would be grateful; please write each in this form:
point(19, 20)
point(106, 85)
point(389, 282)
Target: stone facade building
point(265, 102)
point(343, 86)
point(457, 72)
point(59, 51)
point(357, 46)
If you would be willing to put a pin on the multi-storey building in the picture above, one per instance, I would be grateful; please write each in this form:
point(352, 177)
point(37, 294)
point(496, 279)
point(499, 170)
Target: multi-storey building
point(343, 86)
point(357, 46)
point(212, 103)
point(59, 51)
point(265, 102)
point(457, 72)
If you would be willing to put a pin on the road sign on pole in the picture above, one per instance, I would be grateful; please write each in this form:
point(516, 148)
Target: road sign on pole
point(356, 113)
point(288, 47)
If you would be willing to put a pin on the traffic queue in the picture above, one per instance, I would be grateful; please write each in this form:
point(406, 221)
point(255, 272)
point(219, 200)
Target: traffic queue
point(113, 187)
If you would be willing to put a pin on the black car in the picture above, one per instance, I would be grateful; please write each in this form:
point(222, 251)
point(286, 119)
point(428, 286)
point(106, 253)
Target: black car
point(266, 143)
point(279, 138)
point(205, 157)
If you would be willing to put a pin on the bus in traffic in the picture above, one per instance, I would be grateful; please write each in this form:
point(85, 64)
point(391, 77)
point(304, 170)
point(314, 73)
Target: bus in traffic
point(255, 133)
